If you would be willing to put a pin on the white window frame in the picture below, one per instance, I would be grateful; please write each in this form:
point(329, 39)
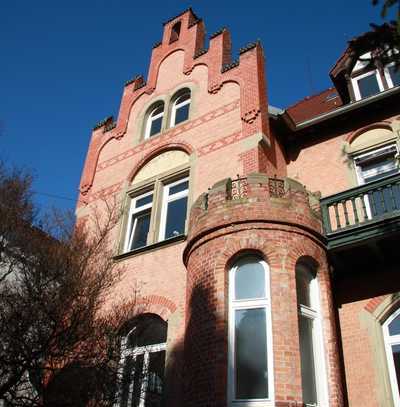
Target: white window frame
point(391, 340)
point(359, 172)
point(141, 350)
point(176, 105)
point(355, 80)
point(249, 304)
point(151, 118)
point(166, 199)
point(388, 76)
point(130, 229)
point(313, 313)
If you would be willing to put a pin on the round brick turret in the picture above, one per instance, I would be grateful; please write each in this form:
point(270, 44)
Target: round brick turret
point(278, 220)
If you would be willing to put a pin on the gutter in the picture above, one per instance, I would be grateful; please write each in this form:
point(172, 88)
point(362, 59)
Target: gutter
point(339, 111)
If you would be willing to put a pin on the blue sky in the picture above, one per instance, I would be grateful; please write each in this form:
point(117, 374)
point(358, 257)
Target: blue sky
point(63, 66)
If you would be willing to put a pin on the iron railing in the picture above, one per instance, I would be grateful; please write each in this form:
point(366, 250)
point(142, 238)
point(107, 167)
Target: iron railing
point(369, 203)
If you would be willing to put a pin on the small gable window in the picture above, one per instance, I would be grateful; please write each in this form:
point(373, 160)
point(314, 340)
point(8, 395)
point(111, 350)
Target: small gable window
point(180, 108)
point(154, 120)
point(367, 85)
point(175, 31)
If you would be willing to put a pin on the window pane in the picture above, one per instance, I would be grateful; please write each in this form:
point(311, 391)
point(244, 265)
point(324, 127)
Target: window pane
point(251, 354)
point(148, 331)
point(182, 113)
point(144, 201)
point(141, 231)
point(395, 75)
point(176, 217)
point(182, 98)
point(396, 359)
point(178, 188)
point(394, 326)
point(137, 393)
point(127, 378)
point(249, 279)
point(155, 126)
point(307, 360)
point(368, 86)
point(303, 282)
point(155, 379)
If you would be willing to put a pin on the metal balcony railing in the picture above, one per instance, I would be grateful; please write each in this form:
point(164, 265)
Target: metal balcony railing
point(364, 205)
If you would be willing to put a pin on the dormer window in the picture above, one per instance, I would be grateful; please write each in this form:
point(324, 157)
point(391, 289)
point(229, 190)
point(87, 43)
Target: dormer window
point(154, 120)
point(367, 84)
point(392, 75)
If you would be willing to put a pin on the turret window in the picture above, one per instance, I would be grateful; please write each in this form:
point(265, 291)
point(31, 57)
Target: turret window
point(250, 334)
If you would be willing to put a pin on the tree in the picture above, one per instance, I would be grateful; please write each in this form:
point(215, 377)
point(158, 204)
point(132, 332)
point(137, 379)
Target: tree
point(54, 283)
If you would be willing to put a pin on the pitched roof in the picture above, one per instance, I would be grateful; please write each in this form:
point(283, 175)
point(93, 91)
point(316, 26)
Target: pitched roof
point(312, 106)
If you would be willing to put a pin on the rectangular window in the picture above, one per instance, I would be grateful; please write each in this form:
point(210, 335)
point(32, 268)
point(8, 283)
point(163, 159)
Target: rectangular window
point(366, 85)
point(174, 209)
point(139, 221)
point(373, 166)
point(392, 75)
point(158, 214)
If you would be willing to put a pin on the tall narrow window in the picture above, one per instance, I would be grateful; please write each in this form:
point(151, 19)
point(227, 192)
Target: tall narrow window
point(180, 108)
point(174, 209)
point(139, 221)
point(154, 120)
point(250, 338)
point(310, 336)
point(175, 32)
point(391, 333)
point(142, 363)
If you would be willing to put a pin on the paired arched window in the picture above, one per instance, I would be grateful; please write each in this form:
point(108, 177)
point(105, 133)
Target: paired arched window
point(250, 335)
point(391, 334)
point(142, 362)
point(154, 120)
point(179, 112)
point(313, 375)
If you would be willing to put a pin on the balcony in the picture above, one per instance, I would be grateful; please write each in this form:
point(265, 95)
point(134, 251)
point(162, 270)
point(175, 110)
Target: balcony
point(363, 214)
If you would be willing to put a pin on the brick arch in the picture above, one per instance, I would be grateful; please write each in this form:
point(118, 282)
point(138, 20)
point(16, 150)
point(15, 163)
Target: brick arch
point(383, 306)
point(152, 304)
point(182, 146)
point(379, 125)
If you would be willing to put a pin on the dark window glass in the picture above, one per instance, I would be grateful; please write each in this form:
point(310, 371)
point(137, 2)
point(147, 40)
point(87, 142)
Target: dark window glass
point(148, 331)
point(127, 378)
point(155, 126)
point(249, 279)
point(368, 86)
point(137, 374)
point(179, 188)
point(394, 326)
point(182, 113)
point(251, 354)
point(155, 379)
point(176, 217)
point(141, 231)
point(143, 201)
point(395, 75)
point(307, 360)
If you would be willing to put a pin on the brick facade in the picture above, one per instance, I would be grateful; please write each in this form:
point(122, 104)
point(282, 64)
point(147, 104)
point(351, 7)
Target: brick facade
point(231, 133)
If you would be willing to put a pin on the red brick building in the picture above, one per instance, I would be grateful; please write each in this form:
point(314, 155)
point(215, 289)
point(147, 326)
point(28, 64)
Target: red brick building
point(264, 241)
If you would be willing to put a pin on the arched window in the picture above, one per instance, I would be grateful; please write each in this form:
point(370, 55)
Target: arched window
point(154, 120)
point(250, 336)
point(142, 362)
point(175, 31)
point(180, 107)
point(313, 375)
point(391, 333)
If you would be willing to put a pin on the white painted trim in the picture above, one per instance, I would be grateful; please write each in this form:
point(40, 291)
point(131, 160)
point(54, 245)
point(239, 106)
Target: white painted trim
point(355, 80)
point(391, 340)
point(166, 199)
point(249, 304)
point(130, 230)
point(151, 118)
point(388, 76)
point(176, 105)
